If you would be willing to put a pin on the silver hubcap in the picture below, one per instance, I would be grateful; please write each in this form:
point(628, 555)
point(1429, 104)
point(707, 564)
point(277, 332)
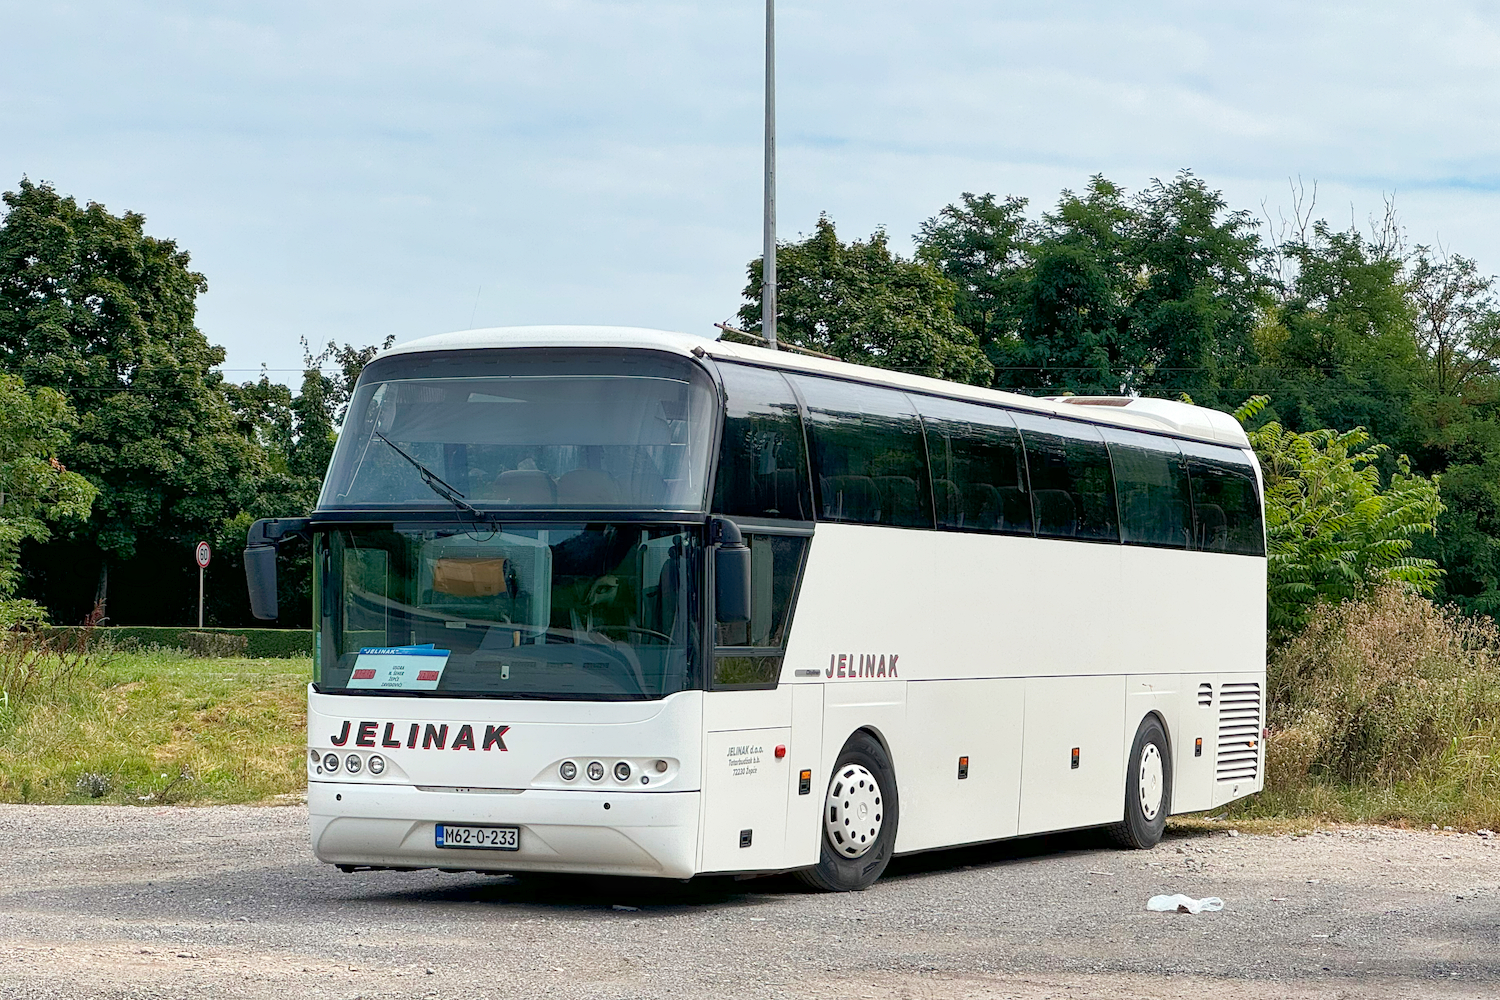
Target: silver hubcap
point(1151, 781)
point(854, 811)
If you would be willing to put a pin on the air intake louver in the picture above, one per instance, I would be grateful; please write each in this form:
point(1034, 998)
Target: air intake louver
point(1239, 732)
point(1205, 695)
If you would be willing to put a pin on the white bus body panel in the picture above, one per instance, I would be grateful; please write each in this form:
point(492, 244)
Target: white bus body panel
point(1013, 651)
point(744, 783)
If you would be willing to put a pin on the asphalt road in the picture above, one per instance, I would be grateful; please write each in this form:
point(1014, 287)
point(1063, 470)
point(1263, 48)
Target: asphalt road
point(228, 902)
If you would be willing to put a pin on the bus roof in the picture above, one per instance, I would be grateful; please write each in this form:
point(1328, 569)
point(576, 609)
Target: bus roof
point(1158, 415)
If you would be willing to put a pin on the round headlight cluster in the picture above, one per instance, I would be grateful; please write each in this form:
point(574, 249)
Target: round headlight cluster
point(330, 763)
point(596, 770)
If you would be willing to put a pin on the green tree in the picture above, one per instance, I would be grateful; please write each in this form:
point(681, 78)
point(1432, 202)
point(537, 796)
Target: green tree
point(296, 434)
point(1158, 293)
point(1339, 347)
point(862, 303)
point(93, 307)
point(1467, 543)
point(1457, 323)
point(35, 488)
point(1333, 530)
point(984, 247)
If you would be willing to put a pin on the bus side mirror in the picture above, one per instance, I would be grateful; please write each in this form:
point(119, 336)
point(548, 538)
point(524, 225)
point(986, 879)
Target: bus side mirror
point(260, 578)
point(731, 571)
point(260, 561)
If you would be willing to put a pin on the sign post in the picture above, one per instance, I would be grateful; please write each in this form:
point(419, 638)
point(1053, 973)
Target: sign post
point(201, 556)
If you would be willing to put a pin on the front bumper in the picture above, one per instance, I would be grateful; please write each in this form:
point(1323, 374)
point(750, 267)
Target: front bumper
point(589, 832)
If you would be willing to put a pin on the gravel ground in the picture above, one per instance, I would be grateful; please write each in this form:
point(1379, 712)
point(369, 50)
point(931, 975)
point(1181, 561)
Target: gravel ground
point(228, 902)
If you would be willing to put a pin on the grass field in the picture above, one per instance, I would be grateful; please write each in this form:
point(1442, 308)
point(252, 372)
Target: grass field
point(1384, 711)
point(160, 726)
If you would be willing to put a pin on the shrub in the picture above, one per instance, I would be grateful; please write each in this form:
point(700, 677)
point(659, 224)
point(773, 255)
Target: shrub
point(263, 643)
point(214, 643)
point(1333, 531)
point(1387, 689)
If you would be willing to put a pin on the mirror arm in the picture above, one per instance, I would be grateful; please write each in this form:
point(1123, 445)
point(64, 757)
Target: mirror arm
point(722, 531)
point(275, 530)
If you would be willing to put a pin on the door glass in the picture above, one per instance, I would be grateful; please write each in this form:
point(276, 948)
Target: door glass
point(750, 652)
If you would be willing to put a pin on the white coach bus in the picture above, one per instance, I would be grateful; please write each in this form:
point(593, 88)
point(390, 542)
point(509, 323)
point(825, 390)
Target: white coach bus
point(619, 601)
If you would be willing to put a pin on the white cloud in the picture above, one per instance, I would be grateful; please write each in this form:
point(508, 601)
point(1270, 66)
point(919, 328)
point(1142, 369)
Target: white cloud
point(351, 170)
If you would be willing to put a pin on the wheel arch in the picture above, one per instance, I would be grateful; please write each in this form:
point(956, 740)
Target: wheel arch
point(1171, 771)
point(1166, 728)
point(874, 732)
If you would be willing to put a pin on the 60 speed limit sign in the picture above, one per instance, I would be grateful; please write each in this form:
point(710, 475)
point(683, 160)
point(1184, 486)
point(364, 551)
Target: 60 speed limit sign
point(202, 554)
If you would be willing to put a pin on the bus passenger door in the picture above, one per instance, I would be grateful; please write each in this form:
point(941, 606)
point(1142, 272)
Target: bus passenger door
point(744, 782)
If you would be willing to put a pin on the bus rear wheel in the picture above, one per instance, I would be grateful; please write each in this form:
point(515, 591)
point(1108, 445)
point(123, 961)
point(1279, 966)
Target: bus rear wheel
point(1148, 788)
point(860, 813)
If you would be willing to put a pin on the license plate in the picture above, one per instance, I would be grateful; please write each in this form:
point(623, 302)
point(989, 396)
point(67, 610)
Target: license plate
point(483, 838)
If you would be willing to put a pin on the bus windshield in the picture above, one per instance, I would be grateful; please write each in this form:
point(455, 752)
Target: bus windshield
point(598, 612)
point(521, 429)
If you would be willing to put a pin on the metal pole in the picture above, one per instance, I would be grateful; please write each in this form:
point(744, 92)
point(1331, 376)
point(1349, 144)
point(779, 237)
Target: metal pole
point(768, 280)
point(200, 596)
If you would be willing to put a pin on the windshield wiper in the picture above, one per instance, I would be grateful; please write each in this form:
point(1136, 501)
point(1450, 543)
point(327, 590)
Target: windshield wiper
point(436, 484)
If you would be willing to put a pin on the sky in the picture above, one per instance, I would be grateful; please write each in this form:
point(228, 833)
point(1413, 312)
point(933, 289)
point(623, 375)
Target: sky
point(348, 171)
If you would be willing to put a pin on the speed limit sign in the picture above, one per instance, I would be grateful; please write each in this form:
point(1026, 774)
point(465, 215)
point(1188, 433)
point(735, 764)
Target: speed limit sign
point(202, 554)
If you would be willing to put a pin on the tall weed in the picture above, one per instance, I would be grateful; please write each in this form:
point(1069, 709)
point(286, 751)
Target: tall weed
point(1387, 690)
point(35, 665)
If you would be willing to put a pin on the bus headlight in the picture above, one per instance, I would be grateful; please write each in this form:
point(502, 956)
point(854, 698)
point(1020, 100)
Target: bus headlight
point(567, 770)
point(331, 762)
point(377, 764)
point(596, 771)
point(622, 771)
point(352, 763)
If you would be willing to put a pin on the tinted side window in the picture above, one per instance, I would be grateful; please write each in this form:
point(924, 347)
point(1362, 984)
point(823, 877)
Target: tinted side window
point(868, 460)
point(1072, 489)
point(762, 459)
point(978, 467)
point(1151, 482)
point(1226, 503)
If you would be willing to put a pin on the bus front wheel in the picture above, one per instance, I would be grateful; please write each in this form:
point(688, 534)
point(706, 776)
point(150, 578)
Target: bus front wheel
point(1148, 788)
point(859, 819)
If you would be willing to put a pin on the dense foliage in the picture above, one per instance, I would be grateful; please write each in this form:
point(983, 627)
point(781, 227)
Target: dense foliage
point(1334, 532)
point(36, 490)
point(864, 304)
point(98, 336)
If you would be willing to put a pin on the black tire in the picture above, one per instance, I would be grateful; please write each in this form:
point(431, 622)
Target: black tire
point(1142, 830)
point(836, 872)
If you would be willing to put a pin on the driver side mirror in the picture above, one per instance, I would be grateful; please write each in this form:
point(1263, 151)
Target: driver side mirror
point(260, 561)
point(731, 571)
